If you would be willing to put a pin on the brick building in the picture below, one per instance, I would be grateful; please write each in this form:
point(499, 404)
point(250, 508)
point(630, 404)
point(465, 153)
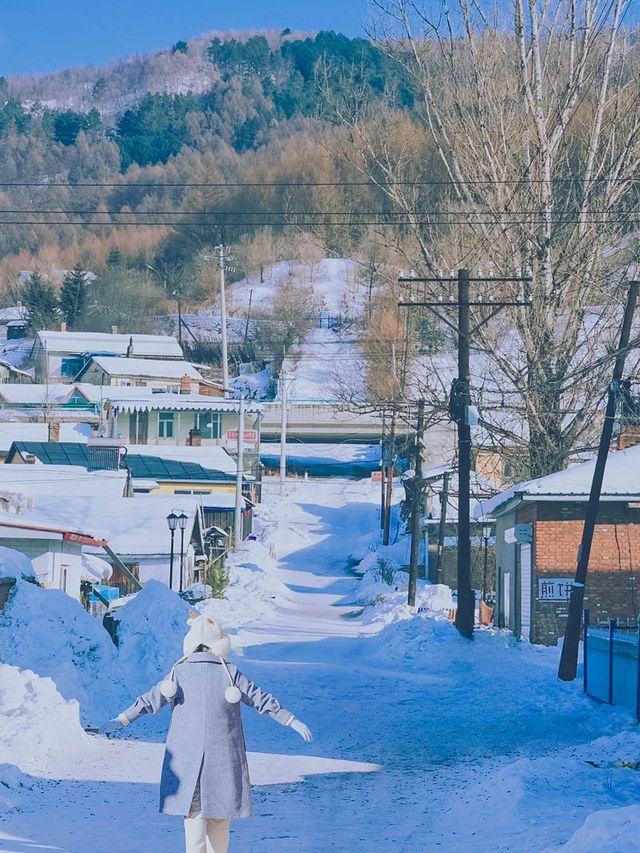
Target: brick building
point(538, 531)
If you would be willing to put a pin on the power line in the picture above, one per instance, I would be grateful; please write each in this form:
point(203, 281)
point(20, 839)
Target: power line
point(275, 184)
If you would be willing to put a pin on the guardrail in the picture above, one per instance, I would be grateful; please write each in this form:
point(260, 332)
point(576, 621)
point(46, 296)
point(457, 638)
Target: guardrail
point(611, 671)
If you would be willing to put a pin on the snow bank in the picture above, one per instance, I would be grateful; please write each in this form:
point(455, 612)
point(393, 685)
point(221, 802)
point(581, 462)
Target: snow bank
point(14, 785)
point(151, 628)
point(34, 718)
point(606, 831)
point(46, 631)
point(15, 564)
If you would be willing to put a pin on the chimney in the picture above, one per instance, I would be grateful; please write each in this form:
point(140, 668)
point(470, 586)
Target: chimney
point(130, 348)
point(185, 384)
point(629, 436)
point(29, 459)
point(114, 330)
point(54, 431)
point(63, 326)
point(195, 438)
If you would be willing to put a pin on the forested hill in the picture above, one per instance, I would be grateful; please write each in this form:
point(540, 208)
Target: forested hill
point(239, 90)
point(219, 108)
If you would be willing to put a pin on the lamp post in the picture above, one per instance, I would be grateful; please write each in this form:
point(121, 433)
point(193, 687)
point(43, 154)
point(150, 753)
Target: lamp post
point(486, 535)
point(182, 523)
point(172, 521)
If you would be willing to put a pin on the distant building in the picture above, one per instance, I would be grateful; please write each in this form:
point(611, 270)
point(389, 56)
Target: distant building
point(538, 532)
point(174, 377)
point(62, 356)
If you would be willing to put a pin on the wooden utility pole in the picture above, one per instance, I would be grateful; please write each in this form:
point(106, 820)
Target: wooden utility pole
point(444, 500)
point(382, 478)
point(466, 596)
point(416, 508)
point(283, 431)
point(569, 657)
point(386, 533)
point(459, 408)
point(223, 322)
point(239, 505)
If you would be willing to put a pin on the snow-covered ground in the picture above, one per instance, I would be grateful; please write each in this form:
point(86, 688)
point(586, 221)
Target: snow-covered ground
point(424, 741)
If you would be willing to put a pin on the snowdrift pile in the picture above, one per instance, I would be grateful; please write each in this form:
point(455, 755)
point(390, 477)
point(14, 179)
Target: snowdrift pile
point(34, 718)
point(46, 631)
point(151, 628)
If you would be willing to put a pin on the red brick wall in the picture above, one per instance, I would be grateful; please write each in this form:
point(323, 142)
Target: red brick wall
point(616, 546)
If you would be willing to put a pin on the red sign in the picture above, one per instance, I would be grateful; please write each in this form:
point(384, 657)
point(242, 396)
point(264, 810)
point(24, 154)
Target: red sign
point(376, 476)
point(250, 436)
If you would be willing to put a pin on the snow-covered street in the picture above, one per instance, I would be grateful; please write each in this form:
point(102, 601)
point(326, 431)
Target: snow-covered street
point(423, 741)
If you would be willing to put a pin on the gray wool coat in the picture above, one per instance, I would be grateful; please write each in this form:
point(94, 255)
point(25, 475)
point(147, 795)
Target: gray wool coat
point(205, 737)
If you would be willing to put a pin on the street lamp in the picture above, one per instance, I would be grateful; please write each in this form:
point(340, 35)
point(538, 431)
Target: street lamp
point(182, 523)
point(172, 521)
point(486, 535)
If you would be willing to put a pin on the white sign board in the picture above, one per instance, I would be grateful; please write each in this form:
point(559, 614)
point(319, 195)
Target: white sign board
point(554, 589)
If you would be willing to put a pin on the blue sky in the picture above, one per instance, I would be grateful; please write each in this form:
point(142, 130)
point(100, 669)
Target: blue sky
point(43, 35)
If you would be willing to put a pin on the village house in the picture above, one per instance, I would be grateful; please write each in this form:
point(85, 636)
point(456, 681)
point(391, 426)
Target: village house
point(54, 547)
point(160, 375)
point(61, 356)
point(538, 532)
point(13, 322)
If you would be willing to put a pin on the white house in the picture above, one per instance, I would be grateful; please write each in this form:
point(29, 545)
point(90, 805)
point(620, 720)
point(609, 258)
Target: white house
point(54, 548)
point(61, 356)
point(158, 374)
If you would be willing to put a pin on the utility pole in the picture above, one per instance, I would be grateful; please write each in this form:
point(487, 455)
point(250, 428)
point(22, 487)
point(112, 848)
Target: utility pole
point(386, 532)
point(382, 478)
point(459, 408)
point(283, 432)
point(466, 596)
point(444, 500)
point(237, 525)
point(416, 508)
point(223, 322)
point(569, 657)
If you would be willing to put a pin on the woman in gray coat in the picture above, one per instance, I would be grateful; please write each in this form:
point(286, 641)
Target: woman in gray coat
point(205, 776)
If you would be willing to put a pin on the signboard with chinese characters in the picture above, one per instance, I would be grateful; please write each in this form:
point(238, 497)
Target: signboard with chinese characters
point(554, 589)
point(376, 476)
point(250, 437)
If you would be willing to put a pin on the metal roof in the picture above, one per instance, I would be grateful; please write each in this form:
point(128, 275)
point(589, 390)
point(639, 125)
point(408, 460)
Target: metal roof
point(158, 346)
point(143, 467)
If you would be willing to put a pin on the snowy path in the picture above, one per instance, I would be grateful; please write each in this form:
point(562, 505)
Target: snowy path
point(472, 739)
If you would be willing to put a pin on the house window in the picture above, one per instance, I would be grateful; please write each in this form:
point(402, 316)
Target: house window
point(165, 425)
point(209, 424)
point(71, 366)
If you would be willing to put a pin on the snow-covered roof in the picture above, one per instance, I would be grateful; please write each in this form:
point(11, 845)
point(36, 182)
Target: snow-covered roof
point(147, 346)
point(94, 568)
point(11, 432)
point(621, 482)
point(209, 456)
point(54, 480)
point(133, 527)
point(39, 394)
point(177, 402)
point(14, 312)
point(152, 368)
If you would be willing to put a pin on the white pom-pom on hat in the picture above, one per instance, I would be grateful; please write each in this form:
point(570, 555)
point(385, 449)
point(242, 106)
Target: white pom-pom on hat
point(168, 688)
point(232, 694)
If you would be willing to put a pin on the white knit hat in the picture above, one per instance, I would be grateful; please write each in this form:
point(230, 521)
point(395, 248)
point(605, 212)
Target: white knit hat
point(203, 631)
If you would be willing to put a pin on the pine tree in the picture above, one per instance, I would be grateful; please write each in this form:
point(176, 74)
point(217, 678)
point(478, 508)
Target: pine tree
point(73, 295)
point(40, 303)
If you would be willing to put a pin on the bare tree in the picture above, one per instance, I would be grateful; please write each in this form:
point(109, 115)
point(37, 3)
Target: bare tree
point(522, 154)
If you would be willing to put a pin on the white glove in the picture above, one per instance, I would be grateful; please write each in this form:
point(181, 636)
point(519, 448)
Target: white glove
point(302, 730)
point(111, 727)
